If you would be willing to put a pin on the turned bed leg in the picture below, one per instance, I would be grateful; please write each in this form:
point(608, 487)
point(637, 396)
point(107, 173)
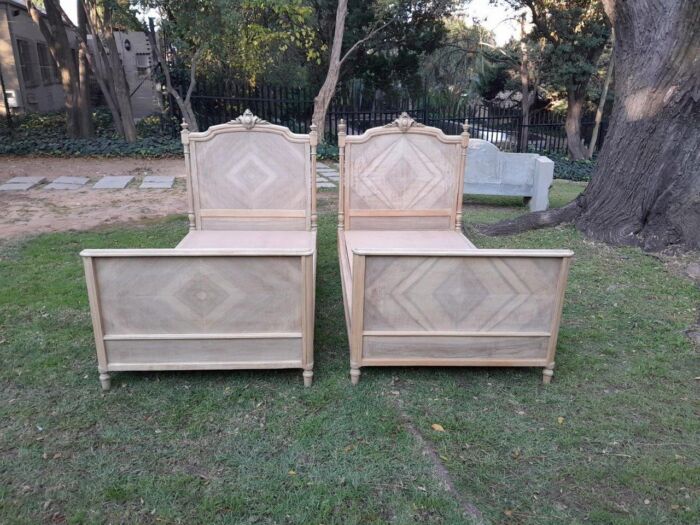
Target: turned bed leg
point(105, 380)
point(548, 373)
point(308, 377)
point(354, 374)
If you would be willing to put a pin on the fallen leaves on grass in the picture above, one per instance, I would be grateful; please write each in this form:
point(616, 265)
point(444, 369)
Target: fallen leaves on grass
point(437, 427)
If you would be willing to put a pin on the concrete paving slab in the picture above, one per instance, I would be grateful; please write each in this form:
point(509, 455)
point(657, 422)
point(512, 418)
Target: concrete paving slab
point(21, 183)
point(36, 179)
point(113, 182)
point(157, 182)
point(67, 183)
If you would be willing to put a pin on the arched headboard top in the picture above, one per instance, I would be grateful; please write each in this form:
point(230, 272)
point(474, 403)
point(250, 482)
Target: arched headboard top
point(247, 122)
point(404, 124)
point(248, 174)
point(402, 176)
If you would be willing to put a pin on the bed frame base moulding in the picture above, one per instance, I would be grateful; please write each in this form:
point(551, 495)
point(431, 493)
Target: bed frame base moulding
point(416, 291)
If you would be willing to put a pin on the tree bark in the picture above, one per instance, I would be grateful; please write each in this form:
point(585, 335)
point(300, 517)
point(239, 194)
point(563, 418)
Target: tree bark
point(527, 96)
point(645, 190)
point(576, 98)
point(184, 104)
point(86, 127)
point(54, 32)
point(601, 102)
point(646, 186)
point(325, 94)
point(108, 68)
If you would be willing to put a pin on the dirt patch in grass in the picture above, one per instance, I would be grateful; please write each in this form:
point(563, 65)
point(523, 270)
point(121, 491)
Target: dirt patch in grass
point(40, 210)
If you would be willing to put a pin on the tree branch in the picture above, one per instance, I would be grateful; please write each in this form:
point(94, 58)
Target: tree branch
point(193, 78)
point(535, 220)
point(365, 39)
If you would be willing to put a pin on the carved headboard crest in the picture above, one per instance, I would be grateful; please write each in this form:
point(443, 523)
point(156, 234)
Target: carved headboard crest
point(248, 120)
point(404, 122)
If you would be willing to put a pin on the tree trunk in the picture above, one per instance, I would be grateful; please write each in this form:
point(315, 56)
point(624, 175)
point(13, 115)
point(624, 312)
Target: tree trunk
point(524, 89)
point(325, 94)
point(646, 187)
point(645, 190)
point(86, 127)
point(576, 98)
point(184, 104)
point(601, 102)
point(54, 32)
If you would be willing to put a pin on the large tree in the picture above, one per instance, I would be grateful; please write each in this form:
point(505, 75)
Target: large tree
point(576, 32)
point(240, 37)
point(645, 189)
point(393, 35)
point(95, 19)
point(53, 29)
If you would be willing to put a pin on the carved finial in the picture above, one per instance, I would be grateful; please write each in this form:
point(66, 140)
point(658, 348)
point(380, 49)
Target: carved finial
point(248, 120)
point(313, 135)
point(404, 122)
point(465, 134)
point(184, 125)
point(342, 127)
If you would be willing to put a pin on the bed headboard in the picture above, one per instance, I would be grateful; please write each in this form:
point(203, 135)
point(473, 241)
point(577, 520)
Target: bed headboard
point(249, 174)
point(402, 176)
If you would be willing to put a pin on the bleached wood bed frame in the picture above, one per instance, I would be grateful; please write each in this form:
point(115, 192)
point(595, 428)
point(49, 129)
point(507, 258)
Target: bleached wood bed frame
point(416, 291)
point(238, 291)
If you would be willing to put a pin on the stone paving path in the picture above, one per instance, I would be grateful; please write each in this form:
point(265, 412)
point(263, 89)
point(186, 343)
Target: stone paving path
point(326, 177)
point(21, 183)
point(67, 183)
point(113, 182)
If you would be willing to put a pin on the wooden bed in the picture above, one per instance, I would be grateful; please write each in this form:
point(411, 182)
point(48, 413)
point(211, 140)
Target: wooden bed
point(238, 291)
point(416, 291)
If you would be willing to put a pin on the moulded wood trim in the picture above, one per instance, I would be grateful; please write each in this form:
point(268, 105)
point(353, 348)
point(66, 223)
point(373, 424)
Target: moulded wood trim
point(186, 252)
point(259, 127)
point(399, 213)
point(451, 333)
point(188, 337)
point(413, 130)
point(558, 309)
point(225, 365)
point(263, 213)
point(468, 252)
point(95, 312)
point(448, 361)
point(358, 305)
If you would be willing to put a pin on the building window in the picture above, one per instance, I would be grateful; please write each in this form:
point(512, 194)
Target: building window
point(47, 66)
point(26, 63)
point(143, 63)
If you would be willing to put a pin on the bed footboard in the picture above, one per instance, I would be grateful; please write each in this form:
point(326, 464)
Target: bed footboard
point(183, 309)
point(455, 308)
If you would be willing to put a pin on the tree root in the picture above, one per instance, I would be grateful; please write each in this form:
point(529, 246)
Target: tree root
point(534, 220)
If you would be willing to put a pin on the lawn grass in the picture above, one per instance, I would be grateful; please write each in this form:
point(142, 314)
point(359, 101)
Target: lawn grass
point(614, 438)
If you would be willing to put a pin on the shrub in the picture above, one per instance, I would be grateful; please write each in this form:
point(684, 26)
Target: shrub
point(327, 151)
point(567, 169)
point(44, 134)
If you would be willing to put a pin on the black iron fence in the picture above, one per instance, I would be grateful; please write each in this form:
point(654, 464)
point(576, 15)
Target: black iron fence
point(215, 102)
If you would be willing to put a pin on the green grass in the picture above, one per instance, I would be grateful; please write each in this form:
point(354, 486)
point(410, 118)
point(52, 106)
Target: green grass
point(256, 447)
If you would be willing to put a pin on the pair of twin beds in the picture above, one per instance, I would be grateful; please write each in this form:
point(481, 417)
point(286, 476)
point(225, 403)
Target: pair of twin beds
point(238, 291)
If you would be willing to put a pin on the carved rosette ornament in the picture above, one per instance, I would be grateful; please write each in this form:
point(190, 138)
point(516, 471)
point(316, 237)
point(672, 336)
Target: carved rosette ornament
point(248, 120)
point(404, 122)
